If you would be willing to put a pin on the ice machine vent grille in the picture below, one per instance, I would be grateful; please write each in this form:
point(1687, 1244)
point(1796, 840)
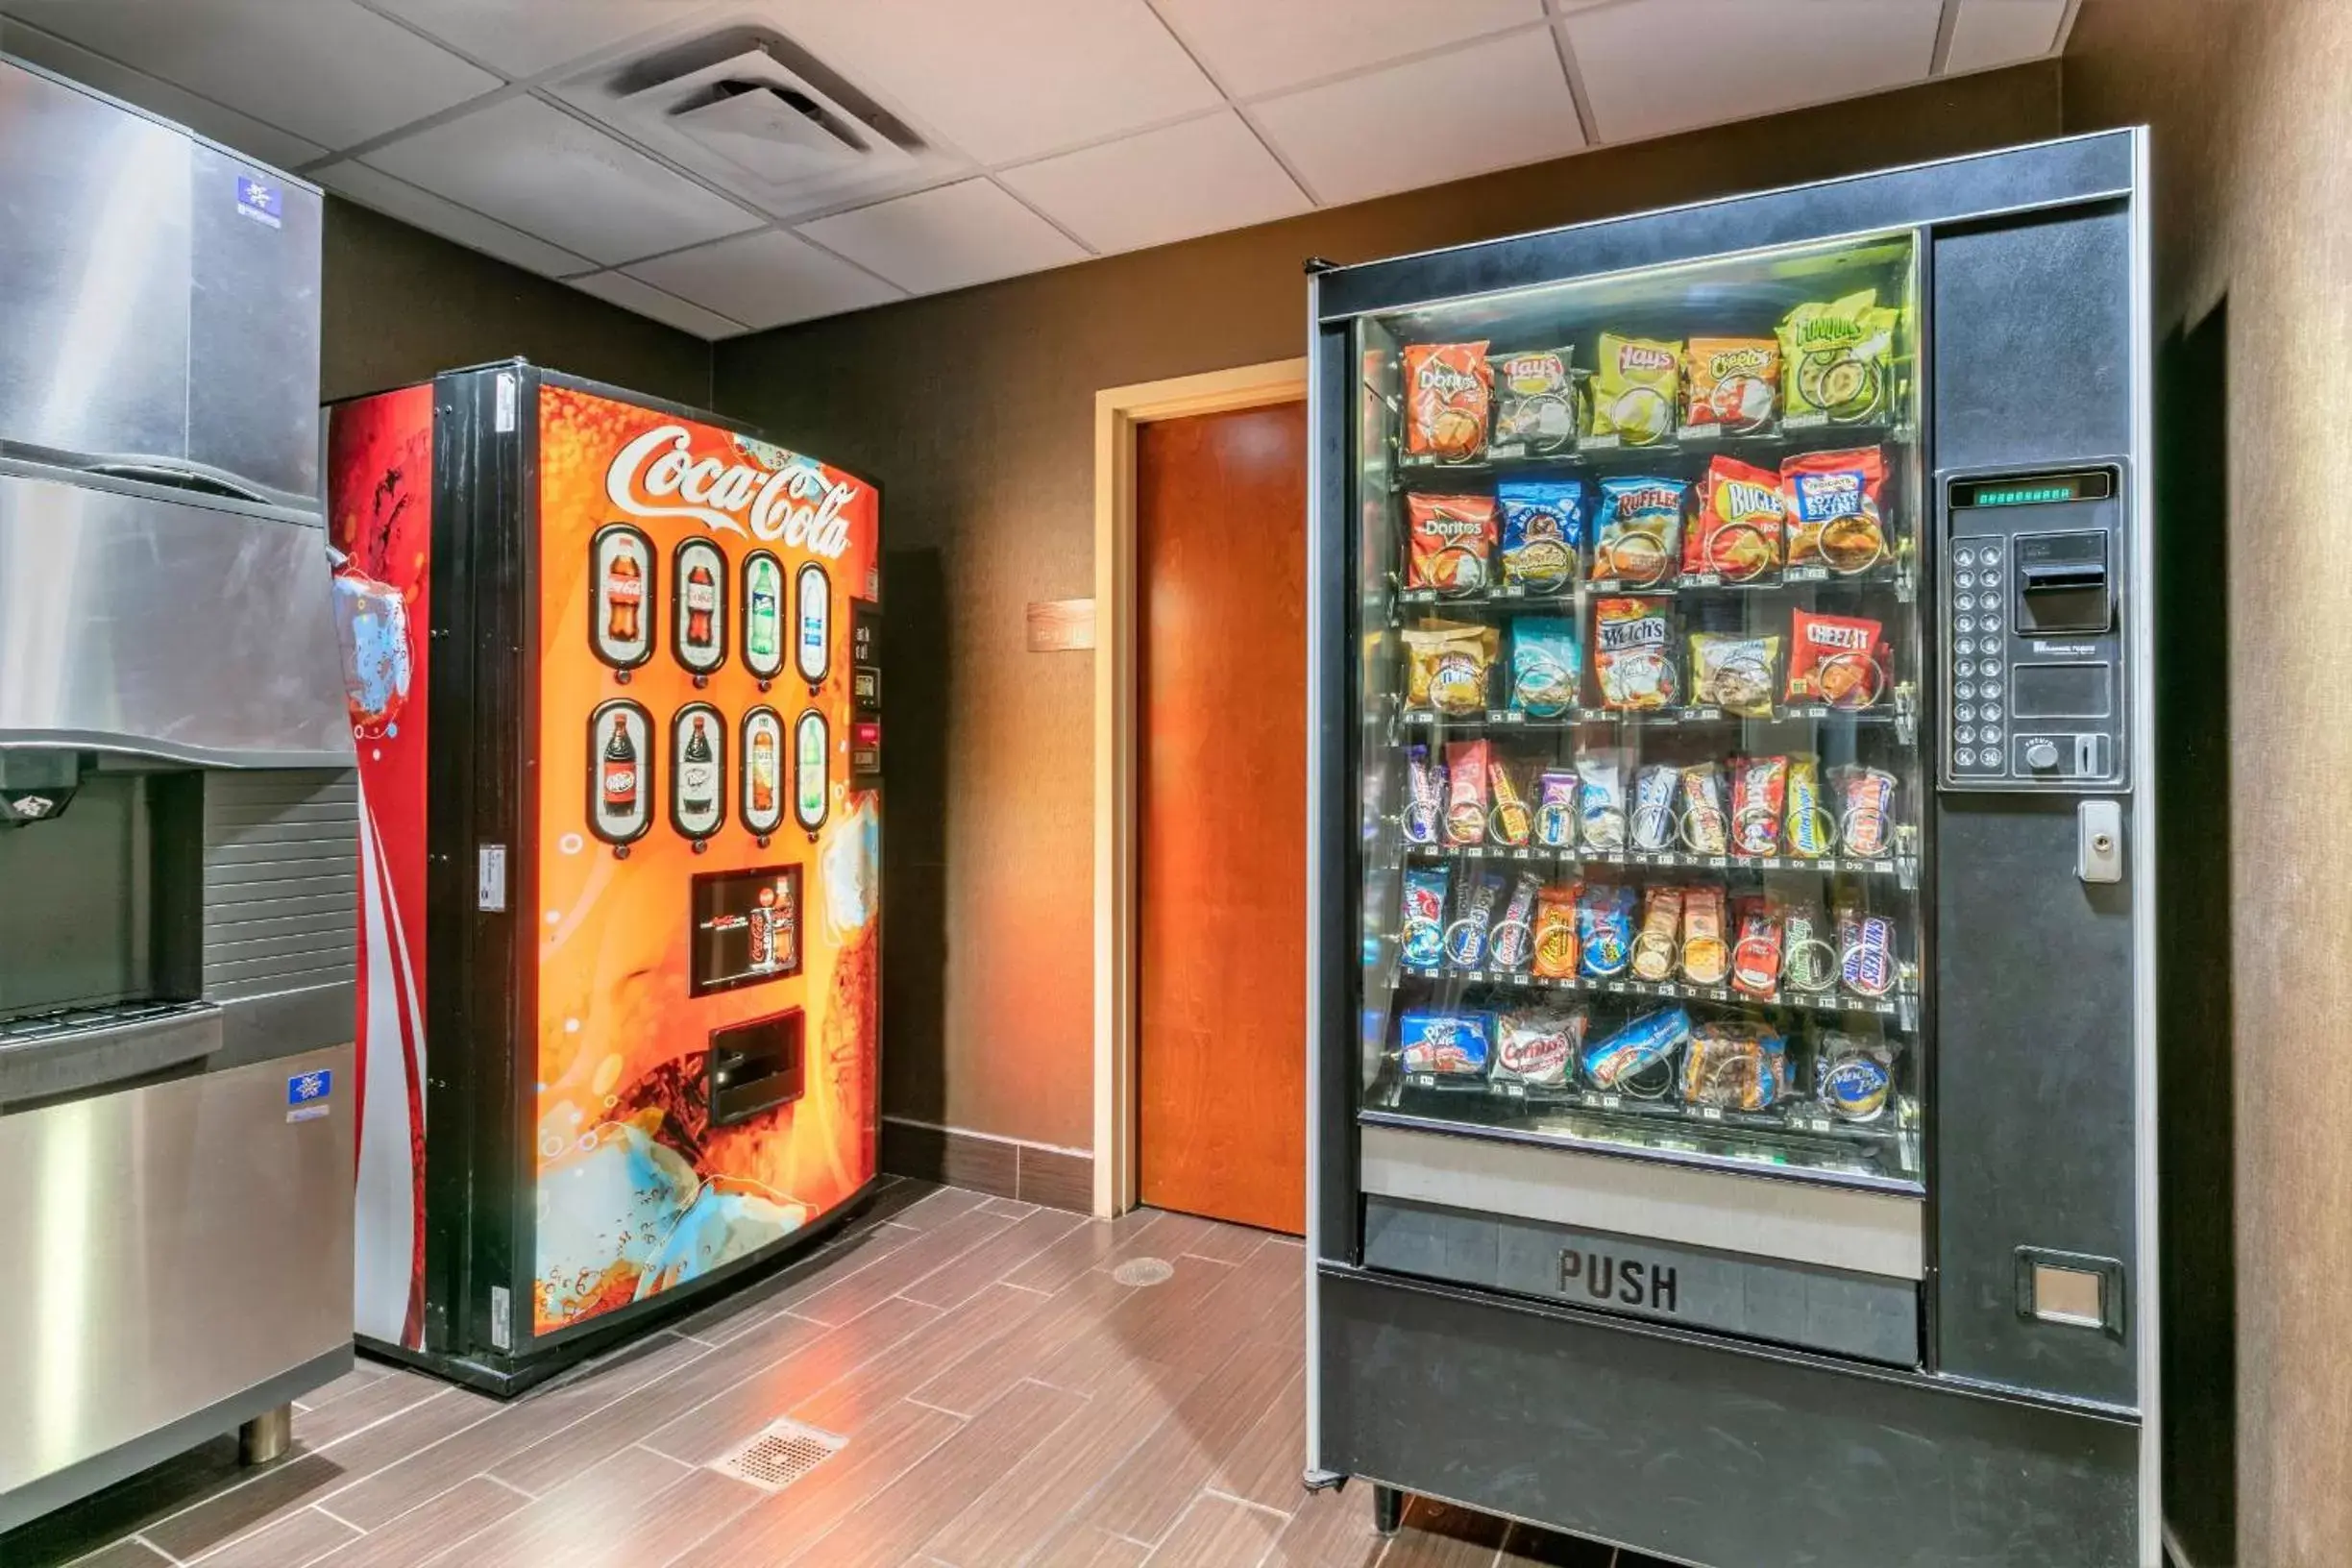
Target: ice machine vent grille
point(779, 1454)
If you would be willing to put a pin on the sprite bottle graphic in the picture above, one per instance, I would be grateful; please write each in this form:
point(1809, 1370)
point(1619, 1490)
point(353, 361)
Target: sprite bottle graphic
point(763, 629)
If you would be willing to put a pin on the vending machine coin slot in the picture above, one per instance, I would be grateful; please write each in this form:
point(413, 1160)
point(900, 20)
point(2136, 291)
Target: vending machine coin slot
point(2062, 585)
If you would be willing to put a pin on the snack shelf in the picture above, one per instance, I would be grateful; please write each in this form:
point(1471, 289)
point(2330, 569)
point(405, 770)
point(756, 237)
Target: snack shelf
point(1898, 714)
point(1902, 867)
point(1894, 574)
point(1595, 454)
point(1797, 1117)
point(1902, 1006)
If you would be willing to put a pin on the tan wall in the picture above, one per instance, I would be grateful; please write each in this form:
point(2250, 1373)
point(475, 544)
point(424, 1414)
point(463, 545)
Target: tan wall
point(974, 410)
point(2253, 124)
point(400, 303)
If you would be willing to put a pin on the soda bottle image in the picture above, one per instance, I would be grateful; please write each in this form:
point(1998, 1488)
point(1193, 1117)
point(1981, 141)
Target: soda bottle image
point(620, 787)
point(763, 772)
point(623, 597)
point(702, 603)
point(813, 651)
point(763, 621)
point(762, 924)
point(698, 778)
point(810, 740)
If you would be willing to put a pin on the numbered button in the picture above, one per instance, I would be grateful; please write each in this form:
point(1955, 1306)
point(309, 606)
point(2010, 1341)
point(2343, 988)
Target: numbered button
point(1991, 710)
point(1965, 714)
point(1965, 758)
point(1965, 558)
point(1990, 669)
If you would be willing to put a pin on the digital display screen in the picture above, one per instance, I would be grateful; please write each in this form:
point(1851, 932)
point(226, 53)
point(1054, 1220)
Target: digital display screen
point(747, 928)
point(2062, 691)
point(2035, 489)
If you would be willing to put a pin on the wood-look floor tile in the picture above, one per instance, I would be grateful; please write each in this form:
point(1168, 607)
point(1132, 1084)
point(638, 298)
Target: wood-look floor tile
point(1096, 1243)
point(1208, 1238)
point(1091, 1548)
point(1046, 1345)
point(357, 1378)
point(1266, 1462)
point(126, 1507)
point(896, 1371)
point(1220, 1532)
point(778, 1529)
point(1330, 1530)
point(132, 1553)
point(1169, 1324)
point(933, 1249)
point(1027, 1506)
point(291, 1482)
point(462, 1511)
point(924, 1501)
point(579, 1524)
point(708, 1430)
point(738, 1312)
point(1441, 1535)
point(936, 1205)
point(1145, 1494)
point(394, 1392)
point(1262, 1286)
point(994, 1257)
point(421, 1477)
point(292, 1540)
point(1525, 1546)
point(1011, 1208)
point(702, 1502)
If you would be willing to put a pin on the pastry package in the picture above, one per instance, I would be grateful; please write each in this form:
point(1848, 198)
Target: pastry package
point(1834, 517)
point(1637, 389)
point(1734, 672)
point(1853, 1076)
point(1543, 665)
point(1661, 922)
point(1600, 801)
point(1706, 957)
point(1447, 390)
point(1445, 1044)
point(1446, 666)
point(1838, 360)
point(1736, 527)
point(1555, 933)
point(1637, 1059)
point(1450, 541)
point(1735, 1066)
point(1605, 929)
point(1537, 1046)
point(1637, 534)
point(1837, 659)
point(1535, 403)
point(1426, 888)
point(1731, 382)
point(1633, 653)
point(1467, 783)
point(1543, 532)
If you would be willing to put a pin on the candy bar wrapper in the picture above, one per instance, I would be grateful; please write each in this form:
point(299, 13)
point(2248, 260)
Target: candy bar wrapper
point(1735, 1066)
point(1837, 659)
point(1734, 672)
point(1865, 810)
point(1756, 957)
point(1600, 803)
point(1759, 786)
point(1736, 531)
point(1512, 943)
point(1637, 389)
point(1830, 502)
point(1657, 787)
point(1423, 795)
point(1544, 665)
point(1536, 400)
point(1538, 1047)
point(1837, 358)
point(1448, 387)
point(1633, 653)
point(1446, 1044)
point(1854, 1076)
point(1446, 666)
point(1637, 539)
point(1614, 1063)
point(1543, 531)
point(1604, 930)
point(1732, 381)
point(1812, 832)
point(1555, 934)
point(1866, 951)
point(1809, 959)
point(1452, 542)
point(1705, 829)
point(1425, 917)
point(1706, 957)
point(1466, 938)
point(1512, 821)
point(1653, 947)
point(1555, 808)
point(1467, 775)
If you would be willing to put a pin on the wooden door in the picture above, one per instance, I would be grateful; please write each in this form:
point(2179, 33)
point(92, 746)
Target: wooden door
point(1221, 742)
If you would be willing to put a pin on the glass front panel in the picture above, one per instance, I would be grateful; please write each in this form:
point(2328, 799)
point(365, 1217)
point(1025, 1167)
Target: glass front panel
point(1640, 673)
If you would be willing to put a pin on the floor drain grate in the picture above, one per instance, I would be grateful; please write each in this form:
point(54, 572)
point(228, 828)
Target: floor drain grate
point(779, 1454)
point(1145, 1271)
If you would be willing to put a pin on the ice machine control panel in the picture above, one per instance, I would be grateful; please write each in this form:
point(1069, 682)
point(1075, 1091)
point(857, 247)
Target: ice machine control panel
point(2032, 609)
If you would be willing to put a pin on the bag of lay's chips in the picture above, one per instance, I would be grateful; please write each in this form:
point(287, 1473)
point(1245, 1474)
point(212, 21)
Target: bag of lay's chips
point(1637, 389)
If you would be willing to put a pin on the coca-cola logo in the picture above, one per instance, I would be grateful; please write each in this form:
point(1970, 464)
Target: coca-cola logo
point(657, 475)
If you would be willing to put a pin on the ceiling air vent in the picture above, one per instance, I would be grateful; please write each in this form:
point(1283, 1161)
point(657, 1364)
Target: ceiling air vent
point(749, 111)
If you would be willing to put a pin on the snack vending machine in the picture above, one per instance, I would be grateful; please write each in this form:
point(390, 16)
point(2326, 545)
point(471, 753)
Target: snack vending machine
point(1730, 855)
point(611, 669)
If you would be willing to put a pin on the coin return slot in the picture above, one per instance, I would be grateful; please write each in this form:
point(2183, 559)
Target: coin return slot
point(2071, 1289)
point(755, 1067)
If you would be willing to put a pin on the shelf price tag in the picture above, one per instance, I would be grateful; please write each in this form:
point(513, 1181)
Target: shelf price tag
point(1708, 1113)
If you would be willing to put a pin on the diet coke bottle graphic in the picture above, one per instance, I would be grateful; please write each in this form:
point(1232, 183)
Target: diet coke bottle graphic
point(620, 742)
point(701, 577)
point(763, 615)
point(619, 619)
point(763, 746)
point(762, 921)
point(697, 807)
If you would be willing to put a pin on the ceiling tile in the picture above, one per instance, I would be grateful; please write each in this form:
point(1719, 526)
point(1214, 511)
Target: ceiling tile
point(373, 187)
point(1007, 80)
point(621, 289)
point(1184, 179)
point(202, 115)
point(529, 38)
point(1989, 32)
point(1253, 47)
point(326, 70)
point(766, 280)
point(1760, 57)
point(957, 234)
point(562, 179)
point(1404, 126)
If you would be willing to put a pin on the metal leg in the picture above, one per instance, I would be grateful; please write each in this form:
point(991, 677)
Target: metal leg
point(1388, 1509)
point(267, 1436)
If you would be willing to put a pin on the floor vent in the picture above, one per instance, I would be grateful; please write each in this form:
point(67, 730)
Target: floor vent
point(1145, 1271)
point(779, 1454)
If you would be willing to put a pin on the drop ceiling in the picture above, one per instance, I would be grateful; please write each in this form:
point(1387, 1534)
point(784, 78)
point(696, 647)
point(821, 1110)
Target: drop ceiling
point(730, 166)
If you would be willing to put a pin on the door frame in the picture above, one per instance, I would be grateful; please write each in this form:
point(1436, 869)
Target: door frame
point(1117, 412)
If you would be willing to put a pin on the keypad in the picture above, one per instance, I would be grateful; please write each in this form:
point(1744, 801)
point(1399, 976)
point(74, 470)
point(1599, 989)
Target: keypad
point(1977, 739)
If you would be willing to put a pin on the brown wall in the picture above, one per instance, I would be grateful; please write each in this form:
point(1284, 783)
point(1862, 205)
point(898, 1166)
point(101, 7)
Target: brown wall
point(2252, 124)
point(400, 305)
point(975, 411)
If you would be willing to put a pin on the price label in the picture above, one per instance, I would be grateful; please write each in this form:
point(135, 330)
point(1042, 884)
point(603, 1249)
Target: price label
point(1710, 1112)
point(1605, 1102)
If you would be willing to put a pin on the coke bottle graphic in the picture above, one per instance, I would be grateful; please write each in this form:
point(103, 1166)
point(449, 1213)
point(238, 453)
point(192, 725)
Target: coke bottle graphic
point(698, 779)
point(702, 604)
point(621, 775)
point(623, 598)
point(762, 924)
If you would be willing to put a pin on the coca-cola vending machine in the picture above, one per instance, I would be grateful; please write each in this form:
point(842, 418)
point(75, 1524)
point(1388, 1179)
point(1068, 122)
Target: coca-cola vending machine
point(610, 676)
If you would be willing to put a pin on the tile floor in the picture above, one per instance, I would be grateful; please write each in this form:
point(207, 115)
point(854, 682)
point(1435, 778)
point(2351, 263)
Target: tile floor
point(1006, 1399)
